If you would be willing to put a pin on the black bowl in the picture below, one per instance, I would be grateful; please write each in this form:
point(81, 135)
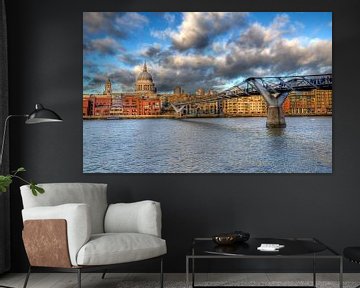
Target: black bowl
point(231, 238)
point(225, 239)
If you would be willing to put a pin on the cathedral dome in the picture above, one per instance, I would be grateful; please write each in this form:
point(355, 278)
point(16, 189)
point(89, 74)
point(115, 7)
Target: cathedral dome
point(144, 82)
point(145, 76)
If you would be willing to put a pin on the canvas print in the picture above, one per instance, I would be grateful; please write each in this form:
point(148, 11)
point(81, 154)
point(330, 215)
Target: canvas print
point(207, 92)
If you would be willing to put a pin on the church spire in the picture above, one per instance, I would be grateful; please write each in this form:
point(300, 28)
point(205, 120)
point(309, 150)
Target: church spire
point(145, 67)
point(108, 90)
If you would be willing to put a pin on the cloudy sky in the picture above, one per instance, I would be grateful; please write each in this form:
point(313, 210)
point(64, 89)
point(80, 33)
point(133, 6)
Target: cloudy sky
point(202, 49)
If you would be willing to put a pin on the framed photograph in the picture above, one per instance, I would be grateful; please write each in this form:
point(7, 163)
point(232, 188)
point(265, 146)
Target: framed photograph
point(207, 92)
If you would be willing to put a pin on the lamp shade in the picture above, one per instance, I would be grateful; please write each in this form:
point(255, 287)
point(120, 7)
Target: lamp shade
point(42, 115)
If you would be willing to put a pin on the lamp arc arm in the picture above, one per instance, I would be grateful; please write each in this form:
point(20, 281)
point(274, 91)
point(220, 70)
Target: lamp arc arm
point(4, 133)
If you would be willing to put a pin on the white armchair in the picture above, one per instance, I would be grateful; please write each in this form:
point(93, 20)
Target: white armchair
point(72, 228)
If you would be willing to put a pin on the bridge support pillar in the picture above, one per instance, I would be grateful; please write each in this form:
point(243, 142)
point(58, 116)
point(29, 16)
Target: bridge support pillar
point(275, 118)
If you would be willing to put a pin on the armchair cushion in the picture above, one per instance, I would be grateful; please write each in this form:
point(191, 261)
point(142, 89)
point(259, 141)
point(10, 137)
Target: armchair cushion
point(113, 248)
point(78, 221)
point(92, 194)
point(138, 217)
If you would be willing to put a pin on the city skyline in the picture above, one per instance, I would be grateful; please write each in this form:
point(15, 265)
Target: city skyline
point(202, 49)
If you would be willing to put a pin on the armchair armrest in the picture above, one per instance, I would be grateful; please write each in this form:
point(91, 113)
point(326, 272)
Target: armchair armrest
point(138, 217)
point(77, 217)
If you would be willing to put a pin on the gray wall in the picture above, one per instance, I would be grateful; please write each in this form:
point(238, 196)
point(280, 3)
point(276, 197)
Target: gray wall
point(45, 39)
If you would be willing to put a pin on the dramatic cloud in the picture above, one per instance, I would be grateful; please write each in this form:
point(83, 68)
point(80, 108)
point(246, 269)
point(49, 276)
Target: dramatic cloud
point(123, 77)
point(94, 21)
point(122, 80)
point(97, 22)
point(258, 36)
point(258, 51)
point(129, 59)
point(103, 46)
point(188, 77)
point(263, 51)
point(151, 51)
point(117, 24)
point(131, 20)
point(90, 67)
point(199, 28)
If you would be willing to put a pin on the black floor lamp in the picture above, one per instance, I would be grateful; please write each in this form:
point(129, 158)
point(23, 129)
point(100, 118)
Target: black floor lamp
point(39, 115)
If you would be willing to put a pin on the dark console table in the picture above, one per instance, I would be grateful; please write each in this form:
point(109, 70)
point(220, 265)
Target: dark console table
point(294, 248)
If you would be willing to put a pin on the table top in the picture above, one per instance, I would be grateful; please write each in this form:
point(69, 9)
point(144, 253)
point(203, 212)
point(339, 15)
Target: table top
point(293, 247)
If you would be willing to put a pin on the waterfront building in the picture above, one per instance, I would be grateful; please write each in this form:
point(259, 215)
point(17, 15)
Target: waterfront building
point(150, 106)
point(100, 105)
point(323, 102)
point(172, 98)
point(299, 103)
point(245, 106)
point(302, 103)
point(205, 108)
point(86, 105)
point(133, 105)
point(116, 106)
point(178, 90)
point(313, 102)
point(96, 105)
point(200, 92)
point(144, 84)
point(130, 105)
point(286, 106)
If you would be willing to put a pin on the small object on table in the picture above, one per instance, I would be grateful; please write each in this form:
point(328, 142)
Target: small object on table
point(224, 239)
point(270, 247)
point(231, 238)
point(242, 236)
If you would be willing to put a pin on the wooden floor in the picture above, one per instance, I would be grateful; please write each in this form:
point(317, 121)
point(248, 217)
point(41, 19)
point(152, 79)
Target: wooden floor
point(115, 280)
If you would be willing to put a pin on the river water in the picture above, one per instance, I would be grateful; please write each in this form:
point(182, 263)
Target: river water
point(208, 145)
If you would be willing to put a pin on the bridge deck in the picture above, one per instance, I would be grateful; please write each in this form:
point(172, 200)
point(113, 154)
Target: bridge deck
point(274, 85)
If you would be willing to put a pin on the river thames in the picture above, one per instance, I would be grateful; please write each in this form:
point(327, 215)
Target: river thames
point(207, 145)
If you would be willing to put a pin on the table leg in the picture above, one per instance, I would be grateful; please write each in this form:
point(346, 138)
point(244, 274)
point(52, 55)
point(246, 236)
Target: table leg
point(187, 272)
point(193, 272)
point(341, 273)
point(314, 271)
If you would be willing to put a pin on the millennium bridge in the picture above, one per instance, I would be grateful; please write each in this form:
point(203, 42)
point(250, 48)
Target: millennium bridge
point(273, 89)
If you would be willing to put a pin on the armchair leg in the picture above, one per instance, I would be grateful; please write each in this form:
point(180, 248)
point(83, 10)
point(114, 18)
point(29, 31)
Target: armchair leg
point(103, 275)
point(27, 277)
point(79, 277)
point(161, 273)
